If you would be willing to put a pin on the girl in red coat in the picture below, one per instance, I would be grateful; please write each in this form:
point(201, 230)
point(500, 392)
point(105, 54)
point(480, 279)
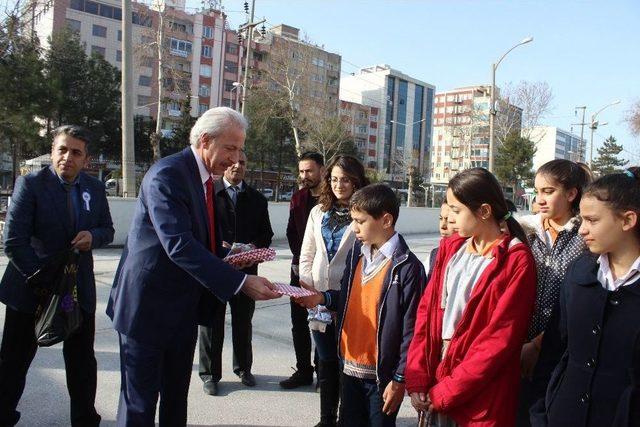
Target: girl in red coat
point(464, 360)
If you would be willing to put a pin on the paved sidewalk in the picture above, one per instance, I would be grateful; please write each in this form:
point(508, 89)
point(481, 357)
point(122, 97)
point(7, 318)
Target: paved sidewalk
point(46, 403)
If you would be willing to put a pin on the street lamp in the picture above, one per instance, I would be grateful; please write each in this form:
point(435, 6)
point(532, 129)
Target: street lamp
point(237, 85)
point(492, 107)
point(594, 126)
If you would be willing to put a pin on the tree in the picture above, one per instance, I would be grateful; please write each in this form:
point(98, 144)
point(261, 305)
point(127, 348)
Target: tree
point(143, 127)
point(74, 96)
point(633, 118)
point(607, 161)
point(180, 136)
point(532, 102)
point(21, 76)
point(329, 136)
point(514, 161)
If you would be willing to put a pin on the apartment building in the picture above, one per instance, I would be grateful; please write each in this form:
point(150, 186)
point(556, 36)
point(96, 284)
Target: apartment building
point(554, 143)
point(405, 106)
point(362, 123)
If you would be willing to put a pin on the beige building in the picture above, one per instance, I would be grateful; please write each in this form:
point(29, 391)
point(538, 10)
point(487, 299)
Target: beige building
point(461, 130)
point(554, 143)
point(362, 122)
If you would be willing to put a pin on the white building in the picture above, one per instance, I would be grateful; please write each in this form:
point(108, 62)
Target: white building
point(405, 117)
point(555, 143)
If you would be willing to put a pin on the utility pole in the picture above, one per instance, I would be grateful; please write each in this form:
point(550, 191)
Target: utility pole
point(249, 26)
point(492, 116)
point(126, 88)
point(582, 124)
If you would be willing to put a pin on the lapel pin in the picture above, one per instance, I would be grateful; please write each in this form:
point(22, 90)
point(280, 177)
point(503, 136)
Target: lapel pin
point(87, 198)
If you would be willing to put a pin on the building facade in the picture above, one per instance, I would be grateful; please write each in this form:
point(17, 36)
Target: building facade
point(201, 55)
point(405, 107)
point(554, 143)
point(461, 130)
point(362, 123)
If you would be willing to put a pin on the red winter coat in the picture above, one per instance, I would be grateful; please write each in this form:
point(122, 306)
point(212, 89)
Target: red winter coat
point(477, 382)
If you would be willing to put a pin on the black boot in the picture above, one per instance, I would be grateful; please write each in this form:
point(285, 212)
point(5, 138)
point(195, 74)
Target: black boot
point(329, 379)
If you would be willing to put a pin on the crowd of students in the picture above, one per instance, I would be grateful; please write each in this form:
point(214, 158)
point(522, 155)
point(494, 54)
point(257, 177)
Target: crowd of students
point(521, 321)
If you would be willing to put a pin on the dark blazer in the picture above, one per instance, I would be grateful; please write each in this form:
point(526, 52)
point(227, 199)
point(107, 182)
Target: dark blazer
point(247, 221)
point(38, 226)
point(298, 215)
point(403, 286)
point(166, 265)
point(598, 330)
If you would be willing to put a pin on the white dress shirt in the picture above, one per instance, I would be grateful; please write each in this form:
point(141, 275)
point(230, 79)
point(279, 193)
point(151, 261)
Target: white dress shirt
point(605, 275)
point(204, 177)
point(371, 261)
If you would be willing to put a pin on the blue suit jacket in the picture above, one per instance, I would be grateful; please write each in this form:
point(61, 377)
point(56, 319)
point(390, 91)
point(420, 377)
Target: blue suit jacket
point(167, 275)
point(38, 227)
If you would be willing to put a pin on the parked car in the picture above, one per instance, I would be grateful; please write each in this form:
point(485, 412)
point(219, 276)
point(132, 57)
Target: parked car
point(286, 196)
point(267, 192)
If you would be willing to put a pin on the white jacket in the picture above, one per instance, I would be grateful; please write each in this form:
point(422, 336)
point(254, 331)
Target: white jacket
point(315, 268)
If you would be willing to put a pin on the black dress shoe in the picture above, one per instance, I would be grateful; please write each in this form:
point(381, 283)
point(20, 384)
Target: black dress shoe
point(210, 387)
point(247, 379)
point(298, 379)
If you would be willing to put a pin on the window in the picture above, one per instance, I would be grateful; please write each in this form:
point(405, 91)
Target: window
point(118, 56)
point(231, 67)
point(91, 7)
point(99, 31)
point(205, 70)
point(117, 13)
point(97, 50)
point(362, 129)
point(106, 11)
point(143, 100)
point(202, 108)
point(73, 25)
point(317, 78)
point(204, 90)
point(144, 81)
point(180, 47)
point(138, 19)
point(207, 32)
point(232, 48)
point(76, 4)
point(258, 56)
point(119, 35)
point(206, 51)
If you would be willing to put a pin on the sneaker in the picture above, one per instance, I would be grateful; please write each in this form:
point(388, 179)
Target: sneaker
point(298, 379)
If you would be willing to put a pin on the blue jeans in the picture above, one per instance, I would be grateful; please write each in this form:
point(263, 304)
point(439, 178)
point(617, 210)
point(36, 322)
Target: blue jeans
point(326, 344)
point(362, 403)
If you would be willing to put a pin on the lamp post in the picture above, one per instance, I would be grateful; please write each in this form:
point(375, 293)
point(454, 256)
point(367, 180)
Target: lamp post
point(594, 125)
point(237, 85)
point(492, 106)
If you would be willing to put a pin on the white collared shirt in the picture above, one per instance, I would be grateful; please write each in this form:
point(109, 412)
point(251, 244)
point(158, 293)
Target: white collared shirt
point(204, 173)
point(605, 275)
point(372, 261)
point(204, 177)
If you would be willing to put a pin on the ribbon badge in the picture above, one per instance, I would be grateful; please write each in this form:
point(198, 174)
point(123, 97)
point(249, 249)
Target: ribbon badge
point(87, 198)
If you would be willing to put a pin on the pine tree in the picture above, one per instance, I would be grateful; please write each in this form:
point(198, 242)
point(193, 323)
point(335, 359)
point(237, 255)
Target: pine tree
point(607, 161)
point(21, 77)
point(180, 137)
point(514, 161)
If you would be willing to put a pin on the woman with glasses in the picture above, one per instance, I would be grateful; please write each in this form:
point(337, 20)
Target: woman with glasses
point(327, 241)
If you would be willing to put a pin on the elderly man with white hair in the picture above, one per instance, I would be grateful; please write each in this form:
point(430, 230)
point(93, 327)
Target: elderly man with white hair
point(170, 269)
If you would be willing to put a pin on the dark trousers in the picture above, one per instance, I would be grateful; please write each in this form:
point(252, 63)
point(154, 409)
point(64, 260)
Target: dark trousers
point(148, 371)
point(328, 374)
point(300, 333)
point(362, 403)
point(212, 338)
point(17, 352)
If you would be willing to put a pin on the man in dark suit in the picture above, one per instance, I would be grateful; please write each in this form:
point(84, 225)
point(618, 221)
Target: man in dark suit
point(169, 272)
point(52, 210)
point(310, 171)
point(243, 216)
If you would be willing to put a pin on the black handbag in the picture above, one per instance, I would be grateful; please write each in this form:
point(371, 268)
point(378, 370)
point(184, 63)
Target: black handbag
point(58, 314)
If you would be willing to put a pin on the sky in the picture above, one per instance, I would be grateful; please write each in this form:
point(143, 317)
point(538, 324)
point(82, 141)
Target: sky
point(587, 51)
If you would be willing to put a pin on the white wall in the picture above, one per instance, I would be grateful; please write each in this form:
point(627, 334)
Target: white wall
point(411, 220)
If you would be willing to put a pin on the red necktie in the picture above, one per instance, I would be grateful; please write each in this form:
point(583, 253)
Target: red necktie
point(212, 224)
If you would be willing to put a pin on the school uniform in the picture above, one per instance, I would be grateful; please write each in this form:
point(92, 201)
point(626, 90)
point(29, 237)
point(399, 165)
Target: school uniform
point(599, 327)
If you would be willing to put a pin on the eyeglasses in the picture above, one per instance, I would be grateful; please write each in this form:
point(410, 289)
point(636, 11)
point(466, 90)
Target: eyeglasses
point(342, 180)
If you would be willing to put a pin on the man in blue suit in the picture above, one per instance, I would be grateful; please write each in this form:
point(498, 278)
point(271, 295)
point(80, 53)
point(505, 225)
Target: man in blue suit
point(52, 210)
point(169, 272)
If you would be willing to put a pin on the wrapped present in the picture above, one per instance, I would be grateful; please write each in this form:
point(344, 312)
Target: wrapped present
point(292, 291)
point(254, 256)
